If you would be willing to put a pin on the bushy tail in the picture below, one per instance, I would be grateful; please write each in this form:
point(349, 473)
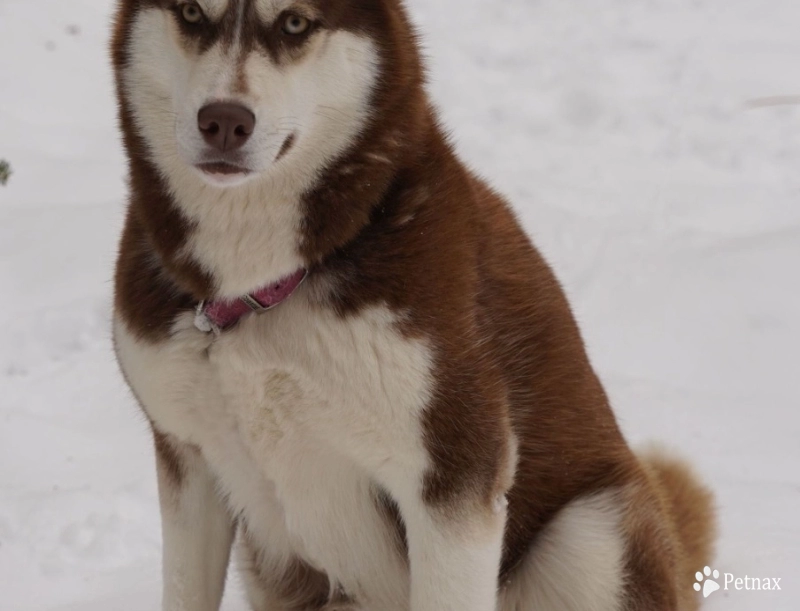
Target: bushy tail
point(690, 506)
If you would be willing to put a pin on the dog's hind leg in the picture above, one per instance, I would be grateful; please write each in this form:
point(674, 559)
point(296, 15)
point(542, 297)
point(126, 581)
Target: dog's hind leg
point(576, 564)
point(630, 548)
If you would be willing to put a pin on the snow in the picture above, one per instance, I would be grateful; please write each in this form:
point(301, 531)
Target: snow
point(641, 144)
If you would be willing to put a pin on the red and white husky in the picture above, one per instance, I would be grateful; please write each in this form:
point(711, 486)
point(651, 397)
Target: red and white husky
point(354, 362)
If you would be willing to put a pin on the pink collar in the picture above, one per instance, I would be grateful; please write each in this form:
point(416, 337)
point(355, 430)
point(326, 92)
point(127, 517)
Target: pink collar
point(220, 315)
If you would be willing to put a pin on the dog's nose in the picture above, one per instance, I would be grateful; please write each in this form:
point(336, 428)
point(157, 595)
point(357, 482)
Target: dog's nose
point(226, 126)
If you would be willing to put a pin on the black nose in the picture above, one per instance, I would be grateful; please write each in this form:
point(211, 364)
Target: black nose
point(225, 126)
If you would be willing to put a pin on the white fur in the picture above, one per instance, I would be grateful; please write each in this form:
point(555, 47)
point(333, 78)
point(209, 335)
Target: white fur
point(454, 565)
point(577, 563)
point(299, 413)
point(248, 233)
point(214, 9)
point(193, 567)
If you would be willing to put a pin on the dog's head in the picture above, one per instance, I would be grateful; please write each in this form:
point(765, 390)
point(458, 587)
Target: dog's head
point(226, 91)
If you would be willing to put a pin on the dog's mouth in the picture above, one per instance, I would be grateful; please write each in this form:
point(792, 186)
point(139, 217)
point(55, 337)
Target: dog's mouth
point(222, 168)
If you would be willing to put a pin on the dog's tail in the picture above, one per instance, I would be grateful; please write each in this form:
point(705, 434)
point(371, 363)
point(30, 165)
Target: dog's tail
point(690, 506)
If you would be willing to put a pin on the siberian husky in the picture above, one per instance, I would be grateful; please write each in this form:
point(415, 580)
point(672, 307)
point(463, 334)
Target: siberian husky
point(360, 374)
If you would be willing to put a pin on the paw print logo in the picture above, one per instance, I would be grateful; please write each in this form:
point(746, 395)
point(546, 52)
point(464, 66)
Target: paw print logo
point(710, 586)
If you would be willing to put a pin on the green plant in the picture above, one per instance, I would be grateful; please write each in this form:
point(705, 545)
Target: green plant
point(5, 171)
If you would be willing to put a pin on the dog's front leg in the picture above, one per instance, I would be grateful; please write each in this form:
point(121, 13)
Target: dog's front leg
point(454, 553)
point(196, 527)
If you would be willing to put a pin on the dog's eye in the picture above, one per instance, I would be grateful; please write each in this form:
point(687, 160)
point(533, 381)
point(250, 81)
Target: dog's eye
point(296, 25)
point(191, 13)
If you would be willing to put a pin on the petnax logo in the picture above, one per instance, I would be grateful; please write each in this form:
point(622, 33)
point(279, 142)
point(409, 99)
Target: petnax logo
point(708, 582)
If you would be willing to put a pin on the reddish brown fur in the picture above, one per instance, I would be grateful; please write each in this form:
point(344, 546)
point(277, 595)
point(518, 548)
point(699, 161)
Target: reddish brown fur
point(299, 587)
point(169, 457)
point(424, 236)
point(691, 528)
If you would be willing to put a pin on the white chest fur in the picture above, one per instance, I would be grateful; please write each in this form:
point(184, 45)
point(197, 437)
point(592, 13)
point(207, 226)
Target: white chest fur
point(299, 413)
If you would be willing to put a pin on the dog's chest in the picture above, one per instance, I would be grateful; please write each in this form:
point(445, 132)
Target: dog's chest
point(300, 413)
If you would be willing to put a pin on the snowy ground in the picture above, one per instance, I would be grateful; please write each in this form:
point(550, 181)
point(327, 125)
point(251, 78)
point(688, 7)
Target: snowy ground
point(626, 134)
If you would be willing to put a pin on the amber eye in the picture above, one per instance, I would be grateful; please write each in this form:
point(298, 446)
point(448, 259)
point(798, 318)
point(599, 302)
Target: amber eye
point(295, 25)
point(191, 13)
